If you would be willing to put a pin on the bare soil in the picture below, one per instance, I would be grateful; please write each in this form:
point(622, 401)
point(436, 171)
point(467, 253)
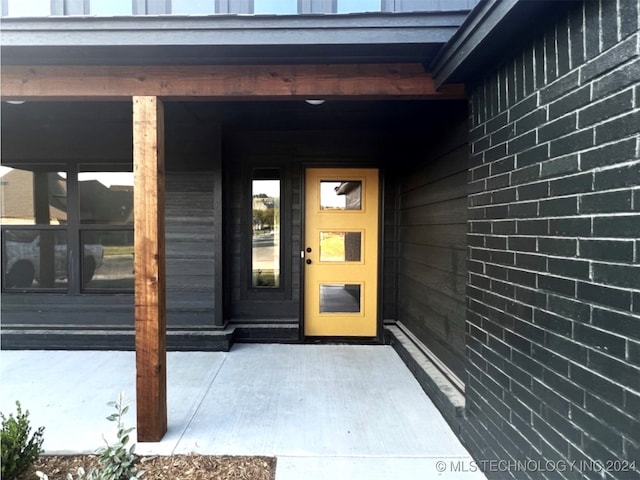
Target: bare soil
point(174, 467)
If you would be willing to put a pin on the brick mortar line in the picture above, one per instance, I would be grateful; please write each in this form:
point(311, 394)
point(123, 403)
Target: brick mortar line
point(577, 111)
point(549, 197)
point(570, 360)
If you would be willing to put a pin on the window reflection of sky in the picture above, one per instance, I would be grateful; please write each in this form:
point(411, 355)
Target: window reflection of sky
point(29, 8)
point(275, 6)
point(328, 196)
point(353, 6)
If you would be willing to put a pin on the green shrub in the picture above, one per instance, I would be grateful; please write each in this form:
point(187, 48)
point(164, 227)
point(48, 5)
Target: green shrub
point(18, 450)
point(116, 461)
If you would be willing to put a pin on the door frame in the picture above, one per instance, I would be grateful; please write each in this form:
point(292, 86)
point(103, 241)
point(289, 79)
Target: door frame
point(379, 337)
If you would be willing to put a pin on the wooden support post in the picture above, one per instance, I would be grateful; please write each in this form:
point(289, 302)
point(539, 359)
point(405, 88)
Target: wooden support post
point(150, 305)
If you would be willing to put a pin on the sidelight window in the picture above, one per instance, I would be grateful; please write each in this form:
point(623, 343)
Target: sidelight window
point(265, 224)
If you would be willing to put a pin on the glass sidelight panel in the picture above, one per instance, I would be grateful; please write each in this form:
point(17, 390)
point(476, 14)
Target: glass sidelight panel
point(340, 246)
point(265, 259)
point(340, 195)
point(339, 298)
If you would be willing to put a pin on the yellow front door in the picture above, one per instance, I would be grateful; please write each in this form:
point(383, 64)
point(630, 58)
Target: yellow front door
point(341, 252)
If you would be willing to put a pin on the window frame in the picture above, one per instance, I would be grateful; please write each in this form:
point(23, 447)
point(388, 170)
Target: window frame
point(74, 229)
point(284, 289)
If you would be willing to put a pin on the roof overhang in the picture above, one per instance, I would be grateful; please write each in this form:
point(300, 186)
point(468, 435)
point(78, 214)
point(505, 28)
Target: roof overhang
point(493, 29)
point(228, 39)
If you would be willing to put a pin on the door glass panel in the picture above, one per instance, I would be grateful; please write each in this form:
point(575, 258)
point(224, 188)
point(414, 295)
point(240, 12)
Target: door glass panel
point(340, 195)
point(30, 197)
point(266, 233)
point(339, 298)
point(340, 246)
point(35, 259)
point(107, 261)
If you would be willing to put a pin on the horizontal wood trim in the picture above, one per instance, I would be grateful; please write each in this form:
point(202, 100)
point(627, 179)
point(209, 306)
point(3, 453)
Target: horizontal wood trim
point(222, 82)
point(449, 212)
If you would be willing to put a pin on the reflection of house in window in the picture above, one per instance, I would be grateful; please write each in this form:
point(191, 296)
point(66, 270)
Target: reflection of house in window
point(263, 212)
point(105, 205)
point(353, 194)
point(33, 198)
point(36, 208)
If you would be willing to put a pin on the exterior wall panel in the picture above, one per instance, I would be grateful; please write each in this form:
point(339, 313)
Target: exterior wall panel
point(189, 217)
point(431, 268)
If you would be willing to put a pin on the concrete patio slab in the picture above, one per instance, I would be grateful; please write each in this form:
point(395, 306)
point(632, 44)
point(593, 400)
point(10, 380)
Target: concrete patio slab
point(325, 411)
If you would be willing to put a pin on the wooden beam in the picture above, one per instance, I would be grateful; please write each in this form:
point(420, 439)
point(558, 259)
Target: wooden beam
point(150, 295)
point(222, 82)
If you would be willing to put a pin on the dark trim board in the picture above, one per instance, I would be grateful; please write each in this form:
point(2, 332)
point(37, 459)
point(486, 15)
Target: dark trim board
point(111, 339)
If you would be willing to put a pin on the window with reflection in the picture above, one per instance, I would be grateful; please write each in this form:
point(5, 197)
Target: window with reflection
point(265, 224)
point(33, 196)
point(106, 228)
point(281, 7)
point(106, 197)
point(340, 246)
point(340, 298)
point(35, 259)
point(355, 6)
point(107, 260)
point(29, 8)
point(192, 7)
point(340, 195)
point(110, 7)
point(67, 228)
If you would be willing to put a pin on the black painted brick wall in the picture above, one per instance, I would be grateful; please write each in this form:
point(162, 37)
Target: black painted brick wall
point(553, 322)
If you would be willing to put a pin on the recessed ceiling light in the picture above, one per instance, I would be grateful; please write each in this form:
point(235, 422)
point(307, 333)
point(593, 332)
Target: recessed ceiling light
point(15, 102)
point(315, 101)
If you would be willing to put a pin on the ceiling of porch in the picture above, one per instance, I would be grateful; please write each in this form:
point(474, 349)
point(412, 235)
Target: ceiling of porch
point(85, 131)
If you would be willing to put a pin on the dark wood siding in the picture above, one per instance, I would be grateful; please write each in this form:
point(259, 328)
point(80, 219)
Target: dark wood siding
point(189, 218)
point(432, 231)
